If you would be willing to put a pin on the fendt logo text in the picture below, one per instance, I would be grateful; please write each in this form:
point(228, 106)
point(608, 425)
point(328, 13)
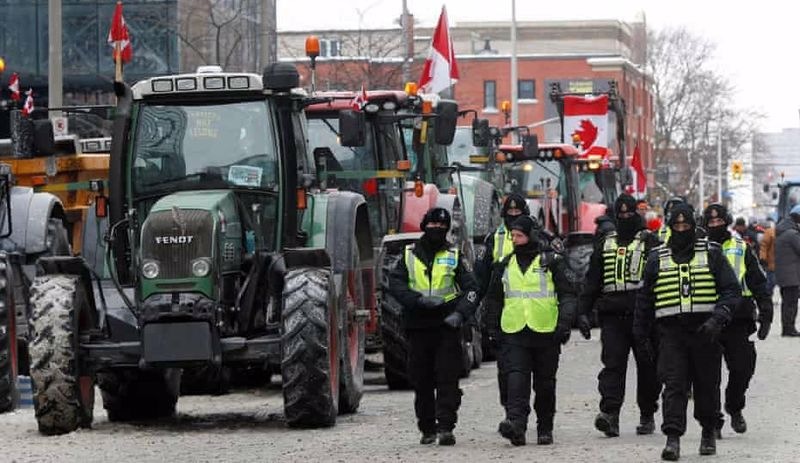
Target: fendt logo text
point(183, 239)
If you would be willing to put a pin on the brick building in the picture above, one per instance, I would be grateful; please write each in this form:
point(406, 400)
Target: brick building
point(583, 56)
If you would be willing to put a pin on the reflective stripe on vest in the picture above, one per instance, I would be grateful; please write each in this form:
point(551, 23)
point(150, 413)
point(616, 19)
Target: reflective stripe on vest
point(735, 250)
point(664, 233)
point(530, 298)
point(623, 266)
point(503, 245)
point(442, 282)
point(684, 288)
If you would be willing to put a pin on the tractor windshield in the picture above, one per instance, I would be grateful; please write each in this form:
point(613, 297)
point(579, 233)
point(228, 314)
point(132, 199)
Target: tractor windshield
point(462, 148)
point(190, 147)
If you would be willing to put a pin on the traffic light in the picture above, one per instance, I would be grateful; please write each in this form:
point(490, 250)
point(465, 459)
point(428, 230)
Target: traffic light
point(736, 169)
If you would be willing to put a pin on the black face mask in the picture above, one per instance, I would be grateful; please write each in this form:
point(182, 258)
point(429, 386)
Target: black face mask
point(509, 220)
point(628, 227)
point(436, 237)
point(718, 234)
point(680, 241)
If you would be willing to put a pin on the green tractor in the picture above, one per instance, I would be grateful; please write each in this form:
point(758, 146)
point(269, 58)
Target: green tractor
point(221, 252)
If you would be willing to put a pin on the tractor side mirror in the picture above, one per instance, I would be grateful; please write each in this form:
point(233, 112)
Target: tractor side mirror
point(481, 135)
point(44, 141)
point(766, 188)
point(352, 128)
point(530, 146)
point(774, 195)
point(447, 117)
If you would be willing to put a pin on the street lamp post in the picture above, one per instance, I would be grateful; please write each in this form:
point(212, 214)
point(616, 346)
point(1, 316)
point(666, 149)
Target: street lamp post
point(55, 79)
point(514, 102)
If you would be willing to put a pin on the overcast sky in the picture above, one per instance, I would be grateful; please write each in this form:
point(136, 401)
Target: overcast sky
point(757, 44)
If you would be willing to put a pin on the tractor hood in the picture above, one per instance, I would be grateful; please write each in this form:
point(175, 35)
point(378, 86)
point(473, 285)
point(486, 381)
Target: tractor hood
point(207, 200)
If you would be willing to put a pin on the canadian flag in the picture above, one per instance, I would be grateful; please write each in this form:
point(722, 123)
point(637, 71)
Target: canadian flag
point(440, 70)
point(639, 187)
point(586, 118)
point(13, 85)
point(360, 99)
point(28, 107)
point(119, 37)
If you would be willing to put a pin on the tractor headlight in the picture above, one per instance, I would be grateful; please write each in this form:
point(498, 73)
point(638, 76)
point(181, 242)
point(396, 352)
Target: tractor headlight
point(150, 269)
point(201, 267)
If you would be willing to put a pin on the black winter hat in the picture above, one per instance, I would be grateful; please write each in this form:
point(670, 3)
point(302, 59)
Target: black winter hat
point(525, 224)
point(681, 212)
point(624, 203)
point(436, 214)
point(716, 210)
point(515, 201)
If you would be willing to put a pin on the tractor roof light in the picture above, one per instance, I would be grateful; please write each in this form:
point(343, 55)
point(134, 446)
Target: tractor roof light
point(419, 188)
point(161, 85)
point(312, 46)
point(411, 88)
point(238, 82)
point(427, 106)
point(214, 83)
point(186, 83)
point(371, 108)
point(505, 106)
point(389, 105)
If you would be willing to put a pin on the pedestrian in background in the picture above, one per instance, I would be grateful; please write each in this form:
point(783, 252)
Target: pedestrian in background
point(787, 268)
point(767, 256)
point(434, 284)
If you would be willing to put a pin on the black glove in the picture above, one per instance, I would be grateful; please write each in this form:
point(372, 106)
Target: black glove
point(562, 334)
point(454, 320)
point(763, 329)
point(712, 328)
point(430, 302)
point(585, 326)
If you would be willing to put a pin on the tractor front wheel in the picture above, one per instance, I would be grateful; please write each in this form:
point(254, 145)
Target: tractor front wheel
point(63, 395)
point(310, 348)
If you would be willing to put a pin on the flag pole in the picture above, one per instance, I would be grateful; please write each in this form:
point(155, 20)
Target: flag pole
point(117, 62)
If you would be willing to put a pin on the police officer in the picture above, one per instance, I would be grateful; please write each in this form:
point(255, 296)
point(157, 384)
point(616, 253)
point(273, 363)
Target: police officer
point(498, 245)
point(739, 352)
point(614, 276)
point(689, 293)
point(664, 232)
point(434, 284)
point(531, 304)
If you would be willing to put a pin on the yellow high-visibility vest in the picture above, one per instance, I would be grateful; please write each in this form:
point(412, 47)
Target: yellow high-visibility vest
point(530, 298)
point(442, 280)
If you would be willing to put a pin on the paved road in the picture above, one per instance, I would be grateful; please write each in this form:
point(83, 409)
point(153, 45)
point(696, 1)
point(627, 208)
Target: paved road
point(247, 426)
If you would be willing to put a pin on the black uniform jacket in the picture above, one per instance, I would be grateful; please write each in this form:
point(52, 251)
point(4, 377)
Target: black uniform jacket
point(567, 298)
point(728, 293)
point(415, 317)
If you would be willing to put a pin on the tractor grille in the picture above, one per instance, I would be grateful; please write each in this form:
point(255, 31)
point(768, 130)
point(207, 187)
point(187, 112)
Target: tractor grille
point(175, 238)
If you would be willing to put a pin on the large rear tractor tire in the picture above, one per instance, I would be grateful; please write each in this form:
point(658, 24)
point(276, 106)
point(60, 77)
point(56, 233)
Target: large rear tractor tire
point(134, 395)
point(9, 396)
point(353, 341)
point(310, 348)
point(63, 395)
point(395, 345)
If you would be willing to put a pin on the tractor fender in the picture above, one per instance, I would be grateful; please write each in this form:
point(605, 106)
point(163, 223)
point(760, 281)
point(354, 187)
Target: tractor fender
point(348, 237)
point(30, 212)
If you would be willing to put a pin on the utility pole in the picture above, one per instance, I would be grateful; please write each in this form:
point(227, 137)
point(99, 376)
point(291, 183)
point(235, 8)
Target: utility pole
point(514, 103)
point(405, 21)
point(719, 159)
point(55, 79)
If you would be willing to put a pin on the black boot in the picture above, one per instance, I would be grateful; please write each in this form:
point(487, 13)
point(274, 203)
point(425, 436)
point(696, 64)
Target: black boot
point(647, 425)
point(512, 432)
point(447, 438)
point(544, 438)
point(427, 438)
point(672, 451)
point(738, 423)
point(708, 442)
point(607, 424)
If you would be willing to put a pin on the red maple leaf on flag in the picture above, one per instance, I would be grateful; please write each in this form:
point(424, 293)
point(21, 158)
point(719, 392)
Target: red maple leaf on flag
point(587, 132)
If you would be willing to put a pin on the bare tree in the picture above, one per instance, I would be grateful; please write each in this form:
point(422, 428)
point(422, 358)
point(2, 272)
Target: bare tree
point(219, 32)
point(693, 102)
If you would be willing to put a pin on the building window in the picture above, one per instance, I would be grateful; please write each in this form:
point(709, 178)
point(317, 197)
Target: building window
point(329, 48)
point(490, 94)
point(526, 89)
